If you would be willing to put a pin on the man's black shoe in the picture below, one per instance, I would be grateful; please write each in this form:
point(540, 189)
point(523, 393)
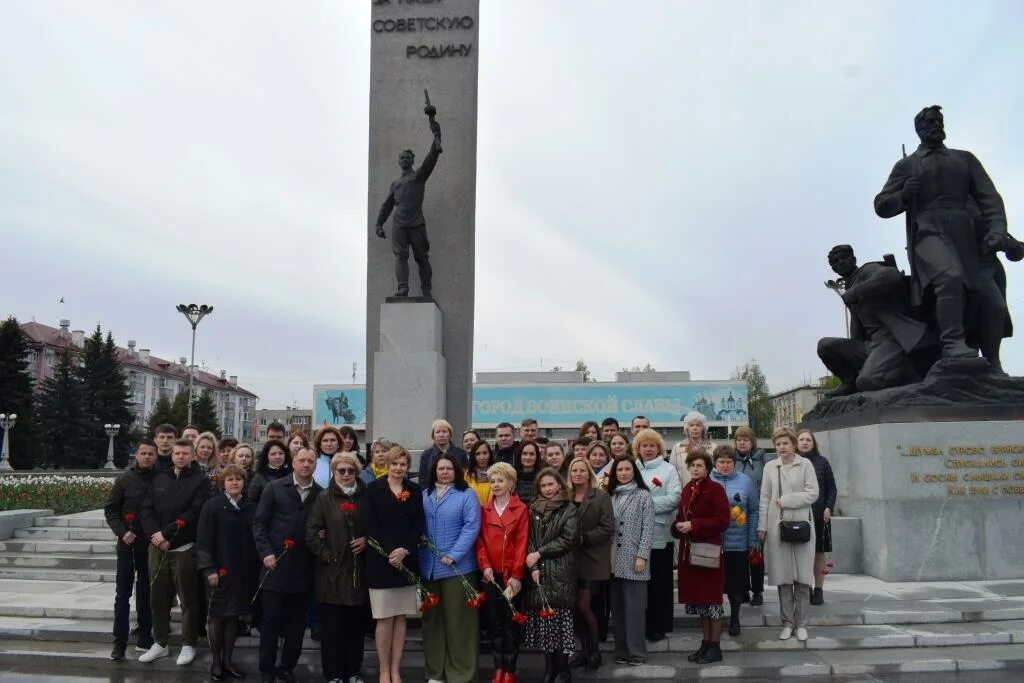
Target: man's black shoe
point(286, 677)
point(117, 654)
point(758, 600)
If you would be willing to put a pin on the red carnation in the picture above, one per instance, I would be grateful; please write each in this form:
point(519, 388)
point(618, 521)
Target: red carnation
point(222, 572)
point(289, 544)
point(129, 517)
point(433, 599)
point(830, 564)
point(656, 482)
point(546, 613)
point(347, 507)
point(519, 618)
point(180, 523)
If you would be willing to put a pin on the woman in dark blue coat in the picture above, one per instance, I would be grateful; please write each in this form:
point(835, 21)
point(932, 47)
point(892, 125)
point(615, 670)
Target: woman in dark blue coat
point(807, 447)
point(224, 548)
point(394, 507)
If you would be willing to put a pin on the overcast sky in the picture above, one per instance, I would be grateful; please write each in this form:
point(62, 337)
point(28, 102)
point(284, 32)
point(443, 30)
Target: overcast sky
point(657, 181)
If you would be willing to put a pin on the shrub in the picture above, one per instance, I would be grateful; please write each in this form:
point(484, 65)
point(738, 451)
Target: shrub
point(64, 494)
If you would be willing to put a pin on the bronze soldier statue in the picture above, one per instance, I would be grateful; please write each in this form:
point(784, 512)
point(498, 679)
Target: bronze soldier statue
point(409, 227)
point(933, 185)
point(883, 334)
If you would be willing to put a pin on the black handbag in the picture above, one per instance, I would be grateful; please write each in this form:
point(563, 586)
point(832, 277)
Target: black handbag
point(796, 531)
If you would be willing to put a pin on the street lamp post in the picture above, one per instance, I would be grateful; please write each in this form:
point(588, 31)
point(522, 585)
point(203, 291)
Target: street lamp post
point(194, 314)
point(839, 287)
point(112, 431)
point(6, 423)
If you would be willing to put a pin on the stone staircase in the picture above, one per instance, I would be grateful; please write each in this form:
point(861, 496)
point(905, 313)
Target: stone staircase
point(56, 610)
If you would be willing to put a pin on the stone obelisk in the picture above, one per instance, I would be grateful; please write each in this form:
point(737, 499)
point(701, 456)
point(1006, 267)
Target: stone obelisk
point(419, 354)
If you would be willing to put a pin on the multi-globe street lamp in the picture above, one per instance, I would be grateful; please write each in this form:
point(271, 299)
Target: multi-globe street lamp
point(194, 314)
point(6, 423)
point(112, 431)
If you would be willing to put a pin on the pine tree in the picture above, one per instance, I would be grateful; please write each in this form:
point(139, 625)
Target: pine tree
point(204, 414)
point(759, 404)
point(68, 434)
point(162, 413)
point(179, 410)
point(107, 394)
point(16, 384)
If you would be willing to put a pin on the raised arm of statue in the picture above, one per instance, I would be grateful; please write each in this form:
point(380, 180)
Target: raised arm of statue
point(429, 161)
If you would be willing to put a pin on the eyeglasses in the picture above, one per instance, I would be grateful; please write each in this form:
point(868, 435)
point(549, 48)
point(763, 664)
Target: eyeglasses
point(346, 470)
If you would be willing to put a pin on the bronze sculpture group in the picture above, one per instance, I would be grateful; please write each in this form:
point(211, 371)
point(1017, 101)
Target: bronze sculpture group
point(953, 304)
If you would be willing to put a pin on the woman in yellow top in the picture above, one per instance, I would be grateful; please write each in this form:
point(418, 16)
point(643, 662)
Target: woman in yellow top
point(481, 457)
point(377, 467)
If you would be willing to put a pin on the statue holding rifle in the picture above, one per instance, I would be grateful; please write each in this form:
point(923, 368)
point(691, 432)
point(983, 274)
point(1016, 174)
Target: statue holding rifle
point(935, 186)
point(405, 199)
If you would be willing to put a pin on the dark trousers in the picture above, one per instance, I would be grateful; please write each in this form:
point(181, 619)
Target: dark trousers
point(284, 616)
point(341, 640)
point(506, 635)
point(174, 574)
point(757, 578)
point(401, 240)
point(132, 567)
point(660, 602)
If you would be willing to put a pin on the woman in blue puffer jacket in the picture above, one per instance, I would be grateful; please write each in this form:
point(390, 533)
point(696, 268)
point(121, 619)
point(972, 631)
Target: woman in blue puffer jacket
point(741, 536)
point(452, 514)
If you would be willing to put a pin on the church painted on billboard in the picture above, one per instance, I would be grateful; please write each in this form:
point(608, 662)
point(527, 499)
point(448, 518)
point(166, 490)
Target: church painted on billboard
point(562, 401)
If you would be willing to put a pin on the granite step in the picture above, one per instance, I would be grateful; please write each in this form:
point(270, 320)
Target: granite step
point(23, 545)
point(65, 533)
point(756, 639)
point(781, 665)
point(66, 561)
point(92, 520)
point(44, 574)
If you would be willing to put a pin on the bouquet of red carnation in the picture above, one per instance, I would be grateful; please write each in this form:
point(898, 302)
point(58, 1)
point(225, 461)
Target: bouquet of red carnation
point(349, 509)
point(474, 598)
point(427, 599)
point(756, 556)
point(288, 545)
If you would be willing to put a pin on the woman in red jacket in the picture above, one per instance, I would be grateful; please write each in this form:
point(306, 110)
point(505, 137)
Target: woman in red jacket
point(501, 555)
point(703, 517)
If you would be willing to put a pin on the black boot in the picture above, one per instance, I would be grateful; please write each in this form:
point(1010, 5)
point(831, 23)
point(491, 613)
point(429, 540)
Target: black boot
point(817, 596)
point(564, 673)
point(594, 660)
point(579, 660)
point(712, 654)
point(230, 636)
point(215, 634)
point(699, 653)
point(757, 600)
point(550, 670)
point(734, 622)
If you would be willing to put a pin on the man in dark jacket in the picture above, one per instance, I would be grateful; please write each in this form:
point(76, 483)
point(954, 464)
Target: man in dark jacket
point(164, 436)
point(280, 530)
point(505, 443)
point(124, 505)
point(170, 517)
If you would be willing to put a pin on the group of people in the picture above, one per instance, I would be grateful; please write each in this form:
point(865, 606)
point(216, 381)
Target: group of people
point(522, 543)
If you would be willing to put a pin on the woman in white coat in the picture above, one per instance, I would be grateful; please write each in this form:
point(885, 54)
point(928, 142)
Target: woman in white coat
point(788, 489)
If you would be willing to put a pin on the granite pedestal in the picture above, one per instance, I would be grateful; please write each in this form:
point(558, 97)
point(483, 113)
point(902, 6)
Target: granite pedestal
point(938, 500)
point(409, 377)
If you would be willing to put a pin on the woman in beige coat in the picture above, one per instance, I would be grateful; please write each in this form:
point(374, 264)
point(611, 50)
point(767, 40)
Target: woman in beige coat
point(788, 489)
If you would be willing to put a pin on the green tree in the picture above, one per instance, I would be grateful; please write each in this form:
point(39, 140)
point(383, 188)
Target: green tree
point(759, 404)
point(16, 384)
point(637, 368)
point(67, 432)
point(204, 414)
point(179, 410)
point(106, 394)
point(581, 366)
point(161, 414)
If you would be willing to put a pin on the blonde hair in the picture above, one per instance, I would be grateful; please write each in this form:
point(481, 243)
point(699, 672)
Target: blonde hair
point(252, 452)
point(647, 435)
point(440, 423)
point(212, 438)
point(784, 432)
point(745, 433)
point(396, 452)
point(592, 479)
point(348, 458)
point(503, 469)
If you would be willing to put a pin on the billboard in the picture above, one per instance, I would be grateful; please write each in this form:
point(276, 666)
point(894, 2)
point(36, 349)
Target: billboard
point(564, 405)
point(339, 404)
point(569, 405)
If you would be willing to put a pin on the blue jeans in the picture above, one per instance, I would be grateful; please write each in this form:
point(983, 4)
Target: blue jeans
point(132, 567)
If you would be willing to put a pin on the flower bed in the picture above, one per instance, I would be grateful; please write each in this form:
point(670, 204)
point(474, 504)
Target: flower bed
point(64, 494)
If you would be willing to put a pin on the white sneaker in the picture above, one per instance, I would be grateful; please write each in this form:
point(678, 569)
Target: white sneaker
point(188, 653)
point(155, 652)
point(787, 632)
point(801, 634)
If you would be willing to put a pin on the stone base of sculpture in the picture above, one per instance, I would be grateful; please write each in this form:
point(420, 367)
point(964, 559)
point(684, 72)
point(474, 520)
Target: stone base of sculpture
point(954, 388)
point(937, 500)
point(409, 373)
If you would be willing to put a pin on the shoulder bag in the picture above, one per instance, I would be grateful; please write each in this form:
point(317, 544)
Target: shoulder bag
point(702, 555)
point(797, 531)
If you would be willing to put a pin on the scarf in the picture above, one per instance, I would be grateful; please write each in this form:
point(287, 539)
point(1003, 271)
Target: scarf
point(378, 472)
point(545, 507)
point(440, 490)
point(703, 445)
point(622, 496)
point(348, 490)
